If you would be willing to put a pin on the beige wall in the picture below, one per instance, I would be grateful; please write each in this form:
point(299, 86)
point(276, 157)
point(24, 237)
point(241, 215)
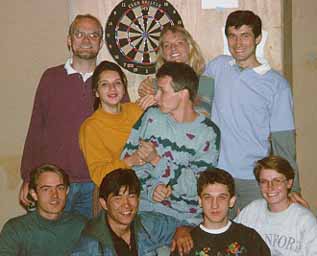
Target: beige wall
point(305, 93)
point(33, 38)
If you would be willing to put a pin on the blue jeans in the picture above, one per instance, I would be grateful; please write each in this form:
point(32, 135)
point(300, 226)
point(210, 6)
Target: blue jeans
point(79, 198)
point(246, 192)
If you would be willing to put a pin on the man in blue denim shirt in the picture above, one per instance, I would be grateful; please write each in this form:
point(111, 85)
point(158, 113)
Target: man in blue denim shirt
point(120, 230)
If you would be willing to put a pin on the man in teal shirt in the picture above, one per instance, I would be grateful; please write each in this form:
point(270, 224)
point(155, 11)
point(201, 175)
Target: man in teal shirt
point(48, 230)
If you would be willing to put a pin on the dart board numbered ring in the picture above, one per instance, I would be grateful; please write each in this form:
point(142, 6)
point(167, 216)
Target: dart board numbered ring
point(133, 29)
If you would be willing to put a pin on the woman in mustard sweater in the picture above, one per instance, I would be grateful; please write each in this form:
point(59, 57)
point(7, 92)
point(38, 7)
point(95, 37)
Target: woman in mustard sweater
point(103, 135)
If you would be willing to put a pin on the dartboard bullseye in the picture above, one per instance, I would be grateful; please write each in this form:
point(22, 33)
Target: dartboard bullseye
point(133, 30)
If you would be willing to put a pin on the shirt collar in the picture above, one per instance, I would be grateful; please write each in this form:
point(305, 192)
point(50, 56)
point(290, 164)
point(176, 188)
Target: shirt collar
point(261, 70)
point(216, 231)
point(70, 70)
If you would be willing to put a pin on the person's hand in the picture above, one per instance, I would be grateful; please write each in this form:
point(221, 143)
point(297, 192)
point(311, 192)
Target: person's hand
point(133, 160)
point(161, 192)
point(182, 240)
point(146, 87)
point(23, 196)
point(146, 101)
point(147, 152)
point(296, 197)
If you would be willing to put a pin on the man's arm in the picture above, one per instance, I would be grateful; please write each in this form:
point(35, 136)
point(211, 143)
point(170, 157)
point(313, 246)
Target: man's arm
point(205, 156)
point(283, 144)
point(258, 245)
point(168, 230)
point(33, 147)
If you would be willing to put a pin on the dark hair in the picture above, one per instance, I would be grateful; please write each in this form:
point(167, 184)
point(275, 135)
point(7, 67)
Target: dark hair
point(79, 17)
point(183, 77)
point(215, 175)
point(244, 17)
point(275, 163)
point(115, 180)
point(106, 66)
point(36, 173)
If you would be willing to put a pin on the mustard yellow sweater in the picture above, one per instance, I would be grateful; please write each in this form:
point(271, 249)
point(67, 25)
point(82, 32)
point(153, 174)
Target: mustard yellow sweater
point(102, 137)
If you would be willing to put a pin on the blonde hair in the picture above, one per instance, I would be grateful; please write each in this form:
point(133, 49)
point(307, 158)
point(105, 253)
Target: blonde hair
point(196, 60)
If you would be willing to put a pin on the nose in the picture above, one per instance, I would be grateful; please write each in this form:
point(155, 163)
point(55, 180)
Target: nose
point(239, 41)
point(86, 38)
point(54, 193)
point(125, 201)
point(214, 203)
point(173, 47)
point(111, 86)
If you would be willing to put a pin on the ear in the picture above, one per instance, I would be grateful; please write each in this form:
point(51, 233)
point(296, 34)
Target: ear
point(67, 190)
point(258, 39)
point(103, 203)
point(33, 194)
point(290, 183)
point(184, 94)
point(69, 43)
point(199, 201)
point(232, 201)
point(101, 44)
point(97, 94)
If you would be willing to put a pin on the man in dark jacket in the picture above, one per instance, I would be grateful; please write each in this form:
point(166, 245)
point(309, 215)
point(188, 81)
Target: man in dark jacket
point(119, 229)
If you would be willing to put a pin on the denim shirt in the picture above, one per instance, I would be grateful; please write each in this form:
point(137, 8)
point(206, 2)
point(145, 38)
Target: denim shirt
point(152, 230)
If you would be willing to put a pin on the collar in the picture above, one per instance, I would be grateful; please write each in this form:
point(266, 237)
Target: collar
point(261, 70)
point(70, 70)
point(216, 231)
point(98, 229)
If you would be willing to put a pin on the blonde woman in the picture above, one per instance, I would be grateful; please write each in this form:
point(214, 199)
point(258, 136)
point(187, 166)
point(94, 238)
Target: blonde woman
point(177, 45)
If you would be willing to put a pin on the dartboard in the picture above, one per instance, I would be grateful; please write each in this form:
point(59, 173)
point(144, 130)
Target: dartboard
point(133, 29)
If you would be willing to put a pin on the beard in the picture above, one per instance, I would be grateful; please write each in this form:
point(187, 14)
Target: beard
point(85, 55)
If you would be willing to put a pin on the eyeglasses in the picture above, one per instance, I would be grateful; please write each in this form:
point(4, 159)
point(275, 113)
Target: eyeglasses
point(276, 182)
point(81, 35)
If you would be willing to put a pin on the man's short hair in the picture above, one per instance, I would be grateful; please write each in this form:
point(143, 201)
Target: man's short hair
point(239, 18)
point(79, 17)
point(115, 180)
point(183, 77)
point(213, 176)
point(275, 163)
point(36, 173)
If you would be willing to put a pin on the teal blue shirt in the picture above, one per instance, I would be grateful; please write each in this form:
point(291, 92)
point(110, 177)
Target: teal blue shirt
point(32, 235)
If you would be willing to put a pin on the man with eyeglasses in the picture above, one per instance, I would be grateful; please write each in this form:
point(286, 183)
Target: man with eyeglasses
point(63, 100)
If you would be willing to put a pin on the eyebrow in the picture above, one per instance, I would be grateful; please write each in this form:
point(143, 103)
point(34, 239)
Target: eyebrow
point(50, 186)
point(221, 194)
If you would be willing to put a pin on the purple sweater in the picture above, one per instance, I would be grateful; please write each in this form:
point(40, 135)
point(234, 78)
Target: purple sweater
point(62, 102)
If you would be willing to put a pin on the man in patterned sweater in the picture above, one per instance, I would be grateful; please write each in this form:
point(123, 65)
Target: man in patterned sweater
point(217, 235)
point(175, 144)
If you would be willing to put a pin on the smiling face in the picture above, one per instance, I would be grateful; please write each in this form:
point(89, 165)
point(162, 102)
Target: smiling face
point(175, 47)
point(86, 41)
point(215, 200)
point(50, 195)
point(274, 188)
point(121, 208)
point(242, 45)
point(110, 91)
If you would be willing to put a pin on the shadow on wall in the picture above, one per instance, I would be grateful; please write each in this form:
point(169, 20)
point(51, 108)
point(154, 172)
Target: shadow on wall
point(10, 181)
point(10, 172)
